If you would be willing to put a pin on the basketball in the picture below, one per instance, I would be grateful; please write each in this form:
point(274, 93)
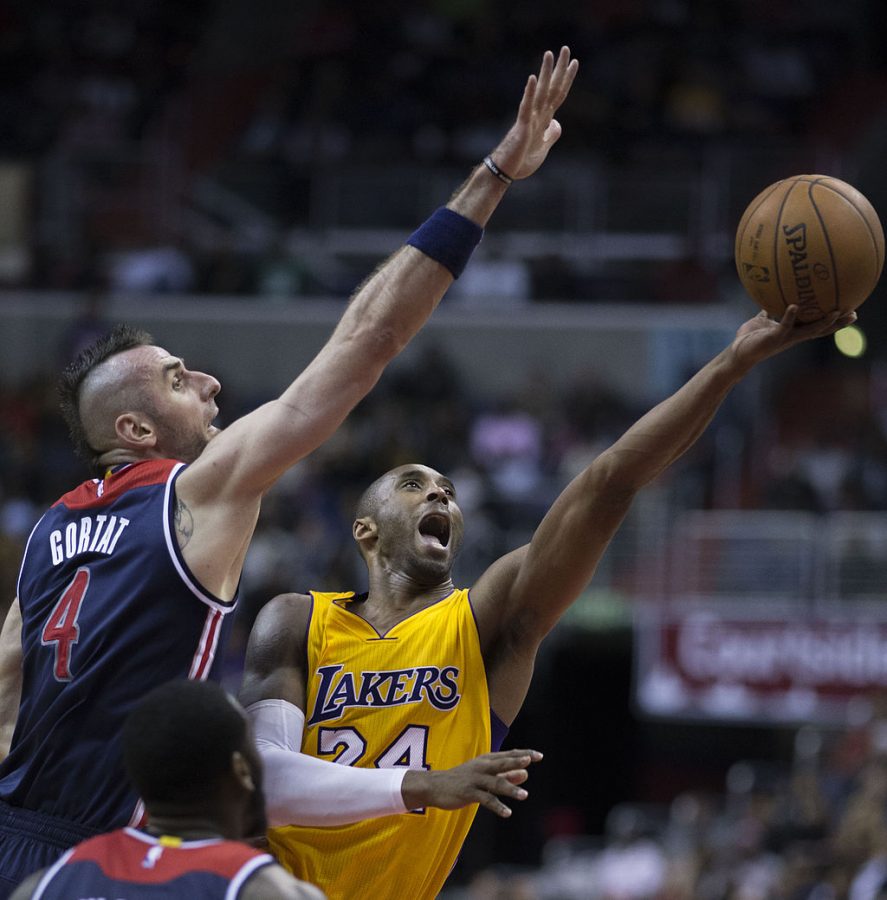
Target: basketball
point(810, 240)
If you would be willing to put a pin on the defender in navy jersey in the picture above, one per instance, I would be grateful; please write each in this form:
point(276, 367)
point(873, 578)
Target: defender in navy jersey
point(136, 866)
point(129, 579)
point(189, 750)
point(102, 562)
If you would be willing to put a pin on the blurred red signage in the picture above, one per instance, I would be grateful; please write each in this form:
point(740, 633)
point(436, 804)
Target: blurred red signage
point(714, 664)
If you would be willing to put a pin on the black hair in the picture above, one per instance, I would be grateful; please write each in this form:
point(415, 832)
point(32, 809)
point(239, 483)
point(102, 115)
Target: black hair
point(119, 339)
point(371, 498)
point(178, 742)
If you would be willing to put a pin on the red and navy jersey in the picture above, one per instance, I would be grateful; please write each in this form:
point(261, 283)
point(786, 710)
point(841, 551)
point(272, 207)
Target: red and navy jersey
point(109, 610)
point(131, 865)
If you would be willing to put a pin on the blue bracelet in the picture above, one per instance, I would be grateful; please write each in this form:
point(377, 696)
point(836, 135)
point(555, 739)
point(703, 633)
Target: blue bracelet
point(448, 238)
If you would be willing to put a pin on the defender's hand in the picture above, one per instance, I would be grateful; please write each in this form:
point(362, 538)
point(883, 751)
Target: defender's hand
point(536, 130)
point(479, 780)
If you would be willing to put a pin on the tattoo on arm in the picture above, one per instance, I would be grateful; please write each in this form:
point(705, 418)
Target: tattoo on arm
point(184, 523)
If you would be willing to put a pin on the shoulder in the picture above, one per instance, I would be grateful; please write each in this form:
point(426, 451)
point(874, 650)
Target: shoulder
point(273, 882)
point(279, 636)
point(285, 611)
point(277, 654)
point(491, 593)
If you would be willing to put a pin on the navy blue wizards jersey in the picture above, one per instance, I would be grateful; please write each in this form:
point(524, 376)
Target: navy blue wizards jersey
point(109, 611)
point(132, 865)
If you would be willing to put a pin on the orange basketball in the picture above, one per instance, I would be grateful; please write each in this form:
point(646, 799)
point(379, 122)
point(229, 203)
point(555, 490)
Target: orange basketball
point(810, 240)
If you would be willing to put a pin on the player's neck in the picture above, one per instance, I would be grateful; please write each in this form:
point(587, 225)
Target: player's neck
point(397, 591)
point(117, 457)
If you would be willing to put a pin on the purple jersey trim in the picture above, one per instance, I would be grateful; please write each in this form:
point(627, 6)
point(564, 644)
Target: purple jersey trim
point(498, 731)
point(308, 626)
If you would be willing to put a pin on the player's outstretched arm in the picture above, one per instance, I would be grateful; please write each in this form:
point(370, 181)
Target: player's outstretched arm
point(298, 787)
point(384, 314)
point(522, 596)
point(10, 674)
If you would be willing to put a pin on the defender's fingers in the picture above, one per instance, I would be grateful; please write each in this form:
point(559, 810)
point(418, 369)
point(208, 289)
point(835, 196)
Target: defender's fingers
point(545, 72)
point(525, 110)
point(553, 132)
point(564, 75)
point(567, 82)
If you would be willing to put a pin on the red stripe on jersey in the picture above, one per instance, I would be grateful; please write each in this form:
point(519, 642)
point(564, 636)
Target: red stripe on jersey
point(126, 858)
point(206, 652)
point(96, 492)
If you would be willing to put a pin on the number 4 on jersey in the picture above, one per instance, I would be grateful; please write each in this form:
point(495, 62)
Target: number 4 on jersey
point(407, 751)
point(61, 628)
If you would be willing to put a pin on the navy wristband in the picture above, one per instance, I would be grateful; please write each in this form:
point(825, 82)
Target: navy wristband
point(448, 238)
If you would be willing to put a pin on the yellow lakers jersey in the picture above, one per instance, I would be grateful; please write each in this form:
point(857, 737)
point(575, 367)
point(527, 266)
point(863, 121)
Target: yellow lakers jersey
point(416, 697)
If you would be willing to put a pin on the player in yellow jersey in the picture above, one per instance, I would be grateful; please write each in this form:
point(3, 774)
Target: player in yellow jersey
point(417, 675)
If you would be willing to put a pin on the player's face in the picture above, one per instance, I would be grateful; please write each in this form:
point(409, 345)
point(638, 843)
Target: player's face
point(184, 405)
point(420, 523)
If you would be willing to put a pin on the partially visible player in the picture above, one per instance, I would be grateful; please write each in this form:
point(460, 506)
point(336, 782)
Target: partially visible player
point(190, 753)
point(417, 673)
point(130, 579)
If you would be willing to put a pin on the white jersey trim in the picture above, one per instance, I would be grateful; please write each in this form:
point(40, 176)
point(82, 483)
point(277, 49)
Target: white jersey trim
point(137, 815)
point(18, 581)
point(178, 561)
point(50, 874)
point(237, 882)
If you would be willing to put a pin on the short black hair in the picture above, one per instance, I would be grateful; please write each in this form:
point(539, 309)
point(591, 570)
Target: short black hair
point(370, 499)
point(119, 339)
point(178, 742)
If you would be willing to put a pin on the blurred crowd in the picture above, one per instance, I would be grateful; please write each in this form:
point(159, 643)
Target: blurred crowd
point(149, 133)
point(811, 828)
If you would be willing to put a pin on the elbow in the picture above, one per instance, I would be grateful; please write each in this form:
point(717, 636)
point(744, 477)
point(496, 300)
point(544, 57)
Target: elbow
point(614, 481)
point(384, 342)
point(376, 347)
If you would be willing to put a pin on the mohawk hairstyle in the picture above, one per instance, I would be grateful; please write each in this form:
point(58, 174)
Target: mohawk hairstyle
point(119, 339)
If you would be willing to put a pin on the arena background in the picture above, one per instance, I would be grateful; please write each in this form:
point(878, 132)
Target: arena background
point(225, 173)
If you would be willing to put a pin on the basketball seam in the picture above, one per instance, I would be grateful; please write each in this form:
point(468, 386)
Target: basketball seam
point(795, 183)
point(748, 215)
point(828, 243)
point(859, 212)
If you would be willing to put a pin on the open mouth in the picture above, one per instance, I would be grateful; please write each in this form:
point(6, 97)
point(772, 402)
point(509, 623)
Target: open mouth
point(436, 526)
